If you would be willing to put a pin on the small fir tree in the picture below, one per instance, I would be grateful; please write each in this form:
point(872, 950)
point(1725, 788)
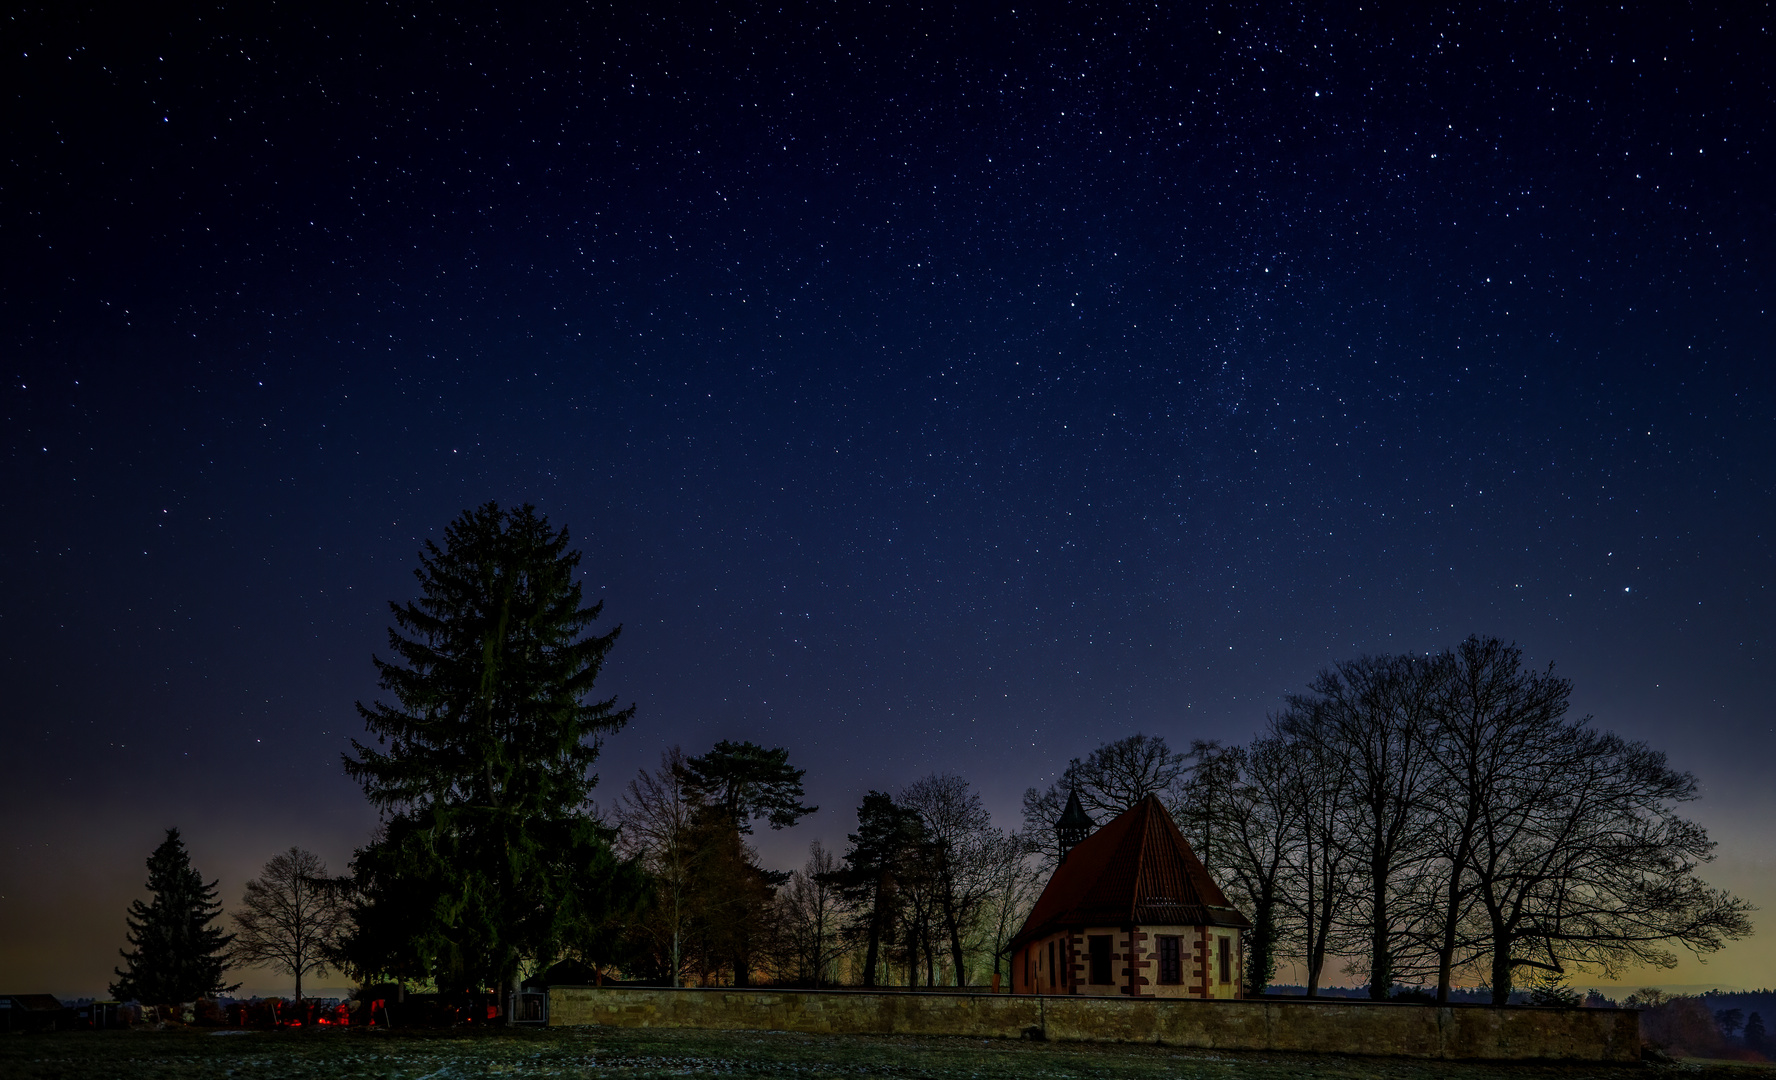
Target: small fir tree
point(177, 954)
point(1549, 989)
point(1754, 1032)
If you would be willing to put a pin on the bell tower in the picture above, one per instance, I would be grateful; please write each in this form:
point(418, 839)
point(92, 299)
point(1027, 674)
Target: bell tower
point(1073, 826)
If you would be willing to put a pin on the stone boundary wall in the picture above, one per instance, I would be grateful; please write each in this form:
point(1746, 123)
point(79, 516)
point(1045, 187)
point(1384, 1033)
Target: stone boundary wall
point(1322, 1026)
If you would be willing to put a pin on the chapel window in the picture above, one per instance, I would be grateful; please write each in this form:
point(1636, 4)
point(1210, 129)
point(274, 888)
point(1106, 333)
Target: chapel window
point(1171, 960)
point(1098, 946)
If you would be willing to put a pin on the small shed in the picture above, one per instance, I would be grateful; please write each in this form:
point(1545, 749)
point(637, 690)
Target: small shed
point(97, 1015)
point(33, 1012)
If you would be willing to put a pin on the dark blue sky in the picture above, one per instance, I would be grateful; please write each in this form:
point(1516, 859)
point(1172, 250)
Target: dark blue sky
point(928, 388)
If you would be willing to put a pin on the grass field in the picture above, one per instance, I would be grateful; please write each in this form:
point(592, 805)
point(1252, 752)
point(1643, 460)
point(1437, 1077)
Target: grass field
point(624, 1054)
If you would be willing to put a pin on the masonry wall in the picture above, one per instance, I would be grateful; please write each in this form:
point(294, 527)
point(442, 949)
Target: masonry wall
point(1324, 1026)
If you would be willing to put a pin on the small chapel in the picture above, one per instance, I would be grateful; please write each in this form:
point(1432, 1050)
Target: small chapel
point(1129, 911)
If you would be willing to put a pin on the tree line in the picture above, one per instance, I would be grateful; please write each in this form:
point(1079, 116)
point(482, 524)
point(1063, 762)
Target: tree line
point(1411, 818)
point(1408, 818)
point(927, 891)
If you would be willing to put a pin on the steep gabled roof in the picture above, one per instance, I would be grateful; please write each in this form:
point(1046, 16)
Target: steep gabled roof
point(1136, 869)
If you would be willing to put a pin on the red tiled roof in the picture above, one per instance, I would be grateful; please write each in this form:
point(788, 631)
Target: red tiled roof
point(1138, 869)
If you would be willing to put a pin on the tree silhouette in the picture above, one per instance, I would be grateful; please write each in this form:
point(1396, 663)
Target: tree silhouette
point(736, 784)
point(657, 826)
point(744, 783)
point(961, 851)
point(1375, 715)
point(1501, 745)
point(1109, 780)
point(290, 918)
point(489, 852)
point(887, 842)
point(178, 955)
point(1442, 813)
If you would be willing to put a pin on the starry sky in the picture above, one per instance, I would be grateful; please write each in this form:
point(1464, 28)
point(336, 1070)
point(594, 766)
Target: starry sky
point(929, 387)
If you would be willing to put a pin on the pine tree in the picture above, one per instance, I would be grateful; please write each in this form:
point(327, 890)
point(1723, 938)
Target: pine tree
point(886, 842)
point(745, 783)
point(738, 783)
point(489, 853)
point(177, 955)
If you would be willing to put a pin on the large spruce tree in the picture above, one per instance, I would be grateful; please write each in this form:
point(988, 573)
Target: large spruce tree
point(482, 767)
point(177, 955)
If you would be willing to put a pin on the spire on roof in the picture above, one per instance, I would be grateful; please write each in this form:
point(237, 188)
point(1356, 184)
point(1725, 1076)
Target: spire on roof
point(1073, 826)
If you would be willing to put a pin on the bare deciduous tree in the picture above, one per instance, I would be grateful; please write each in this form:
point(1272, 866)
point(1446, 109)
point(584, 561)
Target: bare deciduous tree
point(809, 908)
point(1109, 780)
point(1243, 805)
point(1449, 804)
point(290, 917)
point(961, 839)
point(655, 820)
point(1376, 715)
point(1015, 881)
point(1602, 872)
point(1500, 750)
point(1042, 809)
point(1324, 873)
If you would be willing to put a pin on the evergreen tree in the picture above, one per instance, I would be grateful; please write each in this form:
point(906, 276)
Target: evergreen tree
point(743, 782)
point(886, 844)
point(1729, 1021)
point(736, 784)
point(177, 954)
point(1754, 1032)
point(489, 852)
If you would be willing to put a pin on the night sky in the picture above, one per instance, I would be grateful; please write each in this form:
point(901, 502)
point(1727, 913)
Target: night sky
point(929, 388)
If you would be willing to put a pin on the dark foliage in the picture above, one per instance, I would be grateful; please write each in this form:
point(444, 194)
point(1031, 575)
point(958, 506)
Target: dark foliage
point(711, 912)
point(178, 955)
point(734, 785)
point(884, 851)
point(1730, 1021)
point(489, 853)
point(1682, 1026)
point(744, 783)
